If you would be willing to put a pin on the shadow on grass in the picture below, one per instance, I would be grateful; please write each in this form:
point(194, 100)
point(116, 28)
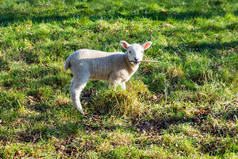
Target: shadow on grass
point(14, 16)
point(159, 15)
point(213, 46)
point(201, 47)
point(157, 125)
point(4, 65)
point(47, 132)
point(89, 123)
point(160, 124)
point(93, 123)
point(236, 12)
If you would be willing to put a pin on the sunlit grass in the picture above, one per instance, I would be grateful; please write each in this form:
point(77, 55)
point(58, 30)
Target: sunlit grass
point(183, 107)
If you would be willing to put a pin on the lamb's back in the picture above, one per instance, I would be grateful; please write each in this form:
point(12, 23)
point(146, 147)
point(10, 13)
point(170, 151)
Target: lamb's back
point(100, 64)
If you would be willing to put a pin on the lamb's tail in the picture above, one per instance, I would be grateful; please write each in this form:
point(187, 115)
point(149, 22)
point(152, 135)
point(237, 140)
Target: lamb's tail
point(67, 63)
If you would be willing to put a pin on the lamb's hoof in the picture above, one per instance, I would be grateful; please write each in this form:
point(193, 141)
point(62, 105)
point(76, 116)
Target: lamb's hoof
point(81, 112)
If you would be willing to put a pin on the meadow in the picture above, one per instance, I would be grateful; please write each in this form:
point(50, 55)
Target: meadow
point(186, 106)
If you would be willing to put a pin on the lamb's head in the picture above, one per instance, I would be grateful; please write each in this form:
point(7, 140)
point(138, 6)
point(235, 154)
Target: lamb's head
point(135, 51)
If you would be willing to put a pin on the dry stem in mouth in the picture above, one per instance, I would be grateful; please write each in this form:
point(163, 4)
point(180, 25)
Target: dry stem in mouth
point(149, 61)
point(146, 61)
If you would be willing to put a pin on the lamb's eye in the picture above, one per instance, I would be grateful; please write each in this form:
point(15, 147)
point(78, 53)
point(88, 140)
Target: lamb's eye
point(129, 52)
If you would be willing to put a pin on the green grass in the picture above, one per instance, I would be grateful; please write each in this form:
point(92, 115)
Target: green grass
point(184, 107)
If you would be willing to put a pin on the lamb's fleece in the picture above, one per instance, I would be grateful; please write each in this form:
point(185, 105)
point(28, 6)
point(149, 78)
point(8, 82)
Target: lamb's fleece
point(99, 64)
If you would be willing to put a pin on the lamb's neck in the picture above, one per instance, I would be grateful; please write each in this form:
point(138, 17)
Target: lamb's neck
point(131, 67)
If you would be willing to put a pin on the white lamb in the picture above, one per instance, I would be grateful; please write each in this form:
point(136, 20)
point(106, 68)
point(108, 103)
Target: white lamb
point(115, 67)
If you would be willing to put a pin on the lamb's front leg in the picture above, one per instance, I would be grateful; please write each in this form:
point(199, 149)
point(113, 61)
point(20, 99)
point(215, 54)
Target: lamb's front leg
point(76, 88)
point(113, 84)
point(117, 82)
point(123, 85)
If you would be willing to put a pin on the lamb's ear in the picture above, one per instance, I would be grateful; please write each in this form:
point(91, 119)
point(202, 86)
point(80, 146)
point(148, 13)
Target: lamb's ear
point(124, 44)
point(147, 45)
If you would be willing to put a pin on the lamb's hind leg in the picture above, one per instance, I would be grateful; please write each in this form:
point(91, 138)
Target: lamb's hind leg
point(77, 85)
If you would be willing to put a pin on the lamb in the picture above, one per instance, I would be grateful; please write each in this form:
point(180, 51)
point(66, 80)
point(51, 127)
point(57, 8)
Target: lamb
point(115, 67)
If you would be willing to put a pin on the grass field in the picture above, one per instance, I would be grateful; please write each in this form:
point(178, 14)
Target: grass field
point(184, 107)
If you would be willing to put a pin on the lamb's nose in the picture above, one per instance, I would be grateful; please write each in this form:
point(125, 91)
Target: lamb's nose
point(136, 59)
